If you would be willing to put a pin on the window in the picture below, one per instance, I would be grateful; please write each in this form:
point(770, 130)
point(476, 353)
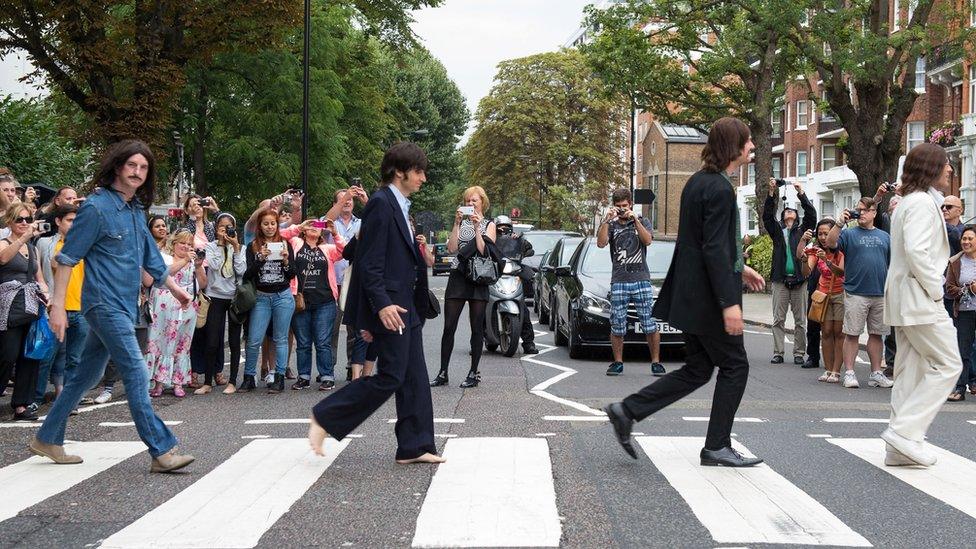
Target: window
point(915, 135)
point(896, 23)
point(751, 177)
point(911, 10)
point(972, 89)
point(787, 117)
point(801, 164)
point(801, 115)
point(825, 113)
point(828, 157)
point(751, 216)
point(777, 167)
point(848, 202)
point(920, 75)
point(776, 119)
point(805, 19)
point(826, 208)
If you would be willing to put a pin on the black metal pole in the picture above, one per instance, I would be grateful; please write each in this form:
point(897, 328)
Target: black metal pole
point(305, 79)
point(633, 144)
point(540, 203)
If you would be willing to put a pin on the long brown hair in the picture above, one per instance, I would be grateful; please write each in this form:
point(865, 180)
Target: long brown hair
point(923, 167)
point(726, 140)
point(116, 156)
point(259, 239)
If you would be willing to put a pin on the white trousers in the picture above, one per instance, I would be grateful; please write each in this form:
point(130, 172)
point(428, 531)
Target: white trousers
point(927, 367)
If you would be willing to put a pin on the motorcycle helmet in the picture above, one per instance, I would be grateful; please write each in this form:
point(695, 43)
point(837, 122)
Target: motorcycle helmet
point(503, 220)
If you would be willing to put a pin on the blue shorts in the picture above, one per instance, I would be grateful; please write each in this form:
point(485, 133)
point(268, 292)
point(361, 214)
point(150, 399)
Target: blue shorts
point(622, 294)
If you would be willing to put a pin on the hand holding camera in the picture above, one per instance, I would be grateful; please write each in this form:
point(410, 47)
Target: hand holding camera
point(807, 235)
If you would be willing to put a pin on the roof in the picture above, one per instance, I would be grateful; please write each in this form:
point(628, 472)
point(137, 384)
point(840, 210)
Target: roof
point(674, 133)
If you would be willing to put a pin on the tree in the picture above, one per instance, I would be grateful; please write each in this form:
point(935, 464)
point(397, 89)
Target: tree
point(35, 149)
point(868, 71)
point(545, 124)
point(123, 63)
point(691, 62)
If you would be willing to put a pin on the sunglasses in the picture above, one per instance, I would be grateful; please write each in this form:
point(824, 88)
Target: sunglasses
point(23, 220)
point(947, 207)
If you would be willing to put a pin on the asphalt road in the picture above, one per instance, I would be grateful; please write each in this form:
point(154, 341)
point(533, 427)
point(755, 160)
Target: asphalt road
point(811, 492)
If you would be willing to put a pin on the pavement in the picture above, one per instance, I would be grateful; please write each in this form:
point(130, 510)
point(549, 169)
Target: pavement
point(531, 462)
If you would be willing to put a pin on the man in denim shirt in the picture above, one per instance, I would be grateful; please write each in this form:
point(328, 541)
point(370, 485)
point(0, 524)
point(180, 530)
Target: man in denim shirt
point(111, 235)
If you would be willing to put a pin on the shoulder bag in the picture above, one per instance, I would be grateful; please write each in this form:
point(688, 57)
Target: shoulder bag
point(819, 301)
point(203, 302)
point(433, 306)
point(19, 313)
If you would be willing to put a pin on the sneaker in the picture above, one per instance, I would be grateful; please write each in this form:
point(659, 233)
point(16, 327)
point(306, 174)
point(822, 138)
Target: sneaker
point(74, 412)
point(269, 379)
point(776, 360)
point(302, 383)
point(327, 385)
point(878, 379)
point(657, 369)
point(850, 380)
point(615, 369)
point(32, 407)
point(798, 360)
point(103, 397)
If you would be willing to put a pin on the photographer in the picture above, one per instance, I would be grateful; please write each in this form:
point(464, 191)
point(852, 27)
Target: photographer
point(786, 276)
point(867, 252)
point(630, 280)
point(883, 222)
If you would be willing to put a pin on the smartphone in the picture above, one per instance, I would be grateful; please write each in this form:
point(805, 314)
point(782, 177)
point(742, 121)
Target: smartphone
point(277, 249)
point(319, 224)
point(466, 211)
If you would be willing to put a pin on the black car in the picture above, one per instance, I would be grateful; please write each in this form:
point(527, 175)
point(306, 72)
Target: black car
point(581, 297)
point(559, 256)
point(442, 259)
point(542, 242)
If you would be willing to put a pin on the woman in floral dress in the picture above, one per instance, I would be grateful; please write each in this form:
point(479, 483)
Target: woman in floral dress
point(171, 331)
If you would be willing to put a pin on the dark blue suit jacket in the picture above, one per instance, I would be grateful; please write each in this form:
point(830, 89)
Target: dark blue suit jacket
point(387, 268)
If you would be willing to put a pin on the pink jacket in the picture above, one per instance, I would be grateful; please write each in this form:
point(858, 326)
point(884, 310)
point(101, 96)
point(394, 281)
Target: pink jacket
point(332, 252)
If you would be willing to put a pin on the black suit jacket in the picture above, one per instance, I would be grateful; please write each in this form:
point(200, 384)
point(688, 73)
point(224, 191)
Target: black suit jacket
point(387, 268)
point(702, 279)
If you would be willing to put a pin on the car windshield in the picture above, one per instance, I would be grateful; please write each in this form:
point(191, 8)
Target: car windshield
point(542, 242)
point(597, 260)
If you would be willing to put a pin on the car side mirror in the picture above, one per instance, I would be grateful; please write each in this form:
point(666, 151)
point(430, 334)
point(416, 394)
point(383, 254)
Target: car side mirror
point(546, 268)
point(564, 270)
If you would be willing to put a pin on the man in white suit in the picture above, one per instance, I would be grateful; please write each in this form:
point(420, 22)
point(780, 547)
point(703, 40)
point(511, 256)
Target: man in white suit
point(927, 364)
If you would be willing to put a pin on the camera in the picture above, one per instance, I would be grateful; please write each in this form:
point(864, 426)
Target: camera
point(357, 182)
point(781, 183)
point(44, 227)
point(201, 254)
point(466, 211)
point(231, 232)
point(854, 214)
point(204, 202)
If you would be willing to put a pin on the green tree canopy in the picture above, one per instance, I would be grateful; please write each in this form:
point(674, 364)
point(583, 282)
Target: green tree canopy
point(35, 148)
point(545, 125)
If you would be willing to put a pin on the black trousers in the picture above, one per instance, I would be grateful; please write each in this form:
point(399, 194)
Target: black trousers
point(528, 331)
point(813, 335)
point(403, 374)
point(12, 360)
point(213, 341)
point(704, 354)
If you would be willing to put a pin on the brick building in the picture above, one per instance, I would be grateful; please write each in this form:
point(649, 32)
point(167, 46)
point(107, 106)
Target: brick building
point(667, 155)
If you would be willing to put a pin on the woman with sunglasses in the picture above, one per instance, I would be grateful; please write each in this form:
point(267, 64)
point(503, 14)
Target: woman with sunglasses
point(21, 282)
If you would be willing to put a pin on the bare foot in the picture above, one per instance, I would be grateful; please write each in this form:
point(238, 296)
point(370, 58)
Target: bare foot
point(316, 437)
point(425, 458)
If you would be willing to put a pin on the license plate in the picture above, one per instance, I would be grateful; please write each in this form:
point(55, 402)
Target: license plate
point(445, 260)
point(662, 327)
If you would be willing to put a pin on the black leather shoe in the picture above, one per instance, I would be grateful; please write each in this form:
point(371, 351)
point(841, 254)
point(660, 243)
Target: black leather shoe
point(278, 385)
point(776, 360)
point(26, 415)
point(441, 379)
point(810, 364)
point(726, 457)
point(529, 349)
point(247, 385)
point(622, 425)
point(471, 381)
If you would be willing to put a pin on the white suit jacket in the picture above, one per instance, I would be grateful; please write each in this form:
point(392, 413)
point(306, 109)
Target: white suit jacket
point(919, 255)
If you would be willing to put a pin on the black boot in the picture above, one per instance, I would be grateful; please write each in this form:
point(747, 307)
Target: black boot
point(441, 379)
point(278, 385)
point(529, 348)
point(473, 379)
point(247, 385)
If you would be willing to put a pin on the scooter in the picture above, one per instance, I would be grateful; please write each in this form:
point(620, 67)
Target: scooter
point(503, 315)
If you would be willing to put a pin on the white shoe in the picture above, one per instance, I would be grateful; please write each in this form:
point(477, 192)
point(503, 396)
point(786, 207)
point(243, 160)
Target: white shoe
point(911, 449)
point(894, 458)
point(850, 380)
point(269, 379)
point(878, 379)
point(103, 397)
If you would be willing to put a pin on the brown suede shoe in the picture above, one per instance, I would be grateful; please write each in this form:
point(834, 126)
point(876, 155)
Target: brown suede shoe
point(169, 462)
point(53, 452)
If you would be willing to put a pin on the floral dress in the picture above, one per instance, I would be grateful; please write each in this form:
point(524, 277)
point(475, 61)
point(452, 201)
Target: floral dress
point(170, 334)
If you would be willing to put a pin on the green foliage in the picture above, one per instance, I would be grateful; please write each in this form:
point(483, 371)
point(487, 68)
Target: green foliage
point(546, 124)
point(761, 257)
point(35, 149)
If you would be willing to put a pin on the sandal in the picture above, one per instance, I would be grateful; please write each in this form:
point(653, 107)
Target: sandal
point(957, 396)
point(824, 376)
point(834, 377)
point(157, 391)
point(221, 380)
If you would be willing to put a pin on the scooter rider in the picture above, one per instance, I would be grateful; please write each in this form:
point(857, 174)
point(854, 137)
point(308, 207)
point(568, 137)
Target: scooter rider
point(514, 246)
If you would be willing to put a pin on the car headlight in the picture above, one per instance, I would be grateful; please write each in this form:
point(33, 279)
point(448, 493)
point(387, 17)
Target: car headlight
point(594, 304)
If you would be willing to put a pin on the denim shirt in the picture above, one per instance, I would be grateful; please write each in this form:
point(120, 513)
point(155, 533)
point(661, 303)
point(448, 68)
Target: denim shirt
point(111, 235)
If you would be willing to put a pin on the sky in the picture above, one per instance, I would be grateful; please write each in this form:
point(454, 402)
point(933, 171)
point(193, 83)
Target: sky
point(470, 37)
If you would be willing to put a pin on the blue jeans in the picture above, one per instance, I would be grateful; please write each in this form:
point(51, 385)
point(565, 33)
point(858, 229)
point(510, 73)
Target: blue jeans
point(313, 326)
point(277, 310)
point(112, 335)
point(68, 356)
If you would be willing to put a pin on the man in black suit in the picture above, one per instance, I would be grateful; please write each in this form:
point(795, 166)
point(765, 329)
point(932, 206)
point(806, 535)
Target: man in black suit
point(708, 311)
point(387, 300)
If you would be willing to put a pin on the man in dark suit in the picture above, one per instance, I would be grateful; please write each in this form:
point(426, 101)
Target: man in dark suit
point(387, 300)
point(708, 311)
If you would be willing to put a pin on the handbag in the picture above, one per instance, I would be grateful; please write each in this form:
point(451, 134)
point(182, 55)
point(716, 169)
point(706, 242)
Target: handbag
point(482, 271)
point(818, 306)
point(433, 306)
point(41, 343)
point(203, 309)
point(17, 314)
point(244, 300)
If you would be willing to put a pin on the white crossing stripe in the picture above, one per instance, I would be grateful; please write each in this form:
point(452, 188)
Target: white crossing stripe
point(38, 478)
point(132, 423)
point(855, 420)
point(250, 491)
point(575, 418)
point(745, 505)
point(492, 492)
point(436, 420)
point(737, 418)
point(945, 481)
point(277, 421)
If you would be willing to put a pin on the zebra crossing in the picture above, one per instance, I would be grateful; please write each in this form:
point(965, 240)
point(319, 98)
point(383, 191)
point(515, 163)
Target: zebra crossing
point(492, 492)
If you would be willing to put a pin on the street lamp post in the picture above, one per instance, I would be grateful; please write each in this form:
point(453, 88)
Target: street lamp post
point(179, 163)
point(305, 113)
